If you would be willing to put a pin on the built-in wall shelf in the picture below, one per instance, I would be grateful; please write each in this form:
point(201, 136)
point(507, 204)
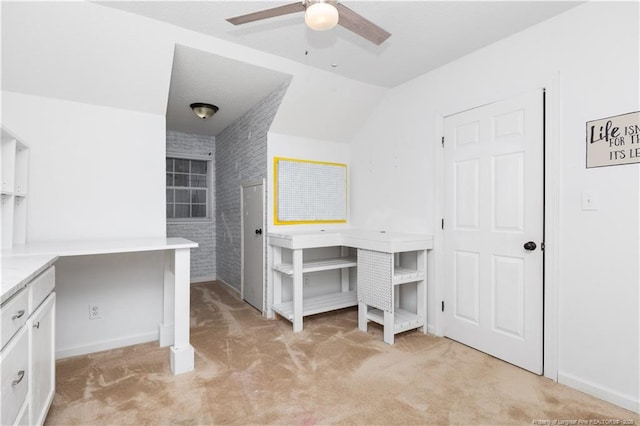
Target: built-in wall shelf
point(13, 189)
point(318, 265)
point(319, 304)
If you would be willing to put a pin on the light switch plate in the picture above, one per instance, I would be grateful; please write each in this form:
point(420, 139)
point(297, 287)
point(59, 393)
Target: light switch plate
point(589, 201)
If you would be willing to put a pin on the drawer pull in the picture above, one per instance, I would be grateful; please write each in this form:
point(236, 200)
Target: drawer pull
point(19, 379)
point(36, 325)
point(18, 315)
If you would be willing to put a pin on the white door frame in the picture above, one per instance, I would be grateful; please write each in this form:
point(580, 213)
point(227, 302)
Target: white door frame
point(551, 223)
point(264, 238)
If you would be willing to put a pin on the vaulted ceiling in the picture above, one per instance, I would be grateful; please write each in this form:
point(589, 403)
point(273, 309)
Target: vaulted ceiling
point(425, 34)
point(128, 54)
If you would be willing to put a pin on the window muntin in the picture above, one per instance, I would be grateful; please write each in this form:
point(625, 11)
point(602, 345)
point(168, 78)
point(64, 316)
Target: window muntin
point(187, 188)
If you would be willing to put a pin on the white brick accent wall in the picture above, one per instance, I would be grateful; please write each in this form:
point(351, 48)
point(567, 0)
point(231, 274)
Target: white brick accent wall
point(203, 258)
point(241, 157)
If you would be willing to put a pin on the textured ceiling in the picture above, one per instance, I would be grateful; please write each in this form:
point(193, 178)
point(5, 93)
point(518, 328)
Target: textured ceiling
point(106, 53)
point(425, 34)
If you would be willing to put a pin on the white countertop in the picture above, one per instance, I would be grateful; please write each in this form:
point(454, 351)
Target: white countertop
point(389, 242)
point(22, 263)
point(89, 247)
point(18, 271)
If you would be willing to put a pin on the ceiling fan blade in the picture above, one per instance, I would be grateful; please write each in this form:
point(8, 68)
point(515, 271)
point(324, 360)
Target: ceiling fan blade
point(361, 26)
point(268, 13)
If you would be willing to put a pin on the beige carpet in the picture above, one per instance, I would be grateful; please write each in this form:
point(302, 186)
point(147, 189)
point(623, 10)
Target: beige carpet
point(250, 370)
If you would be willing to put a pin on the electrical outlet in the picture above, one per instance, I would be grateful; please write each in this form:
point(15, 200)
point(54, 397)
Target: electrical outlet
point(95, 312)
point(306, 280)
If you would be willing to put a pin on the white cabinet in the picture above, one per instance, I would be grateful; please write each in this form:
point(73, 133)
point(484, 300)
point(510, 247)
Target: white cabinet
point(27, 359)
point(41, 327)
point(13, 189)
point(14, 372)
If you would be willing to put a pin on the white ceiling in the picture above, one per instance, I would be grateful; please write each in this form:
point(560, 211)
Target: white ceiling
point(99, 55)
point(425, 34)
point(233, 86)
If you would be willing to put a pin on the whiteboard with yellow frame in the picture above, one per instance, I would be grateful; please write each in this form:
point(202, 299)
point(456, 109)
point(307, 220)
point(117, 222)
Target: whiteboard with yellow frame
point(308, 192)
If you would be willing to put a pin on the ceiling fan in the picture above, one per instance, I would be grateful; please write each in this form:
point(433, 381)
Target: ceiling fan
point(321, 15)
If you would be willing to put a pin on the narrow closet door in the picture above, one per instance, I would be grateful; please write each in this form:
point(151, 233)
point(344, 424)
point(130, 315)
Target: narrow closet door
point(253, 245)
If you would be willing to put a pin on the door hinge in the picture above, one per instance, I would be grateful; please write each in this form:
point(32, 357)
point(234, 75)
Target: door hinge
point(542, 246)
point(443, 141)
point(442, 306)
point(442, 223)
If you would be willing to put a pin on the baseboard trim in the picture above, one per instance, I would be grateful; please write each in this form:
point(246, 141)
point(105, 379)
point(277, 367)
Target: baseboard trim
point(232, 288)
point(593, 389)
point(106, 345)
point(197, 280)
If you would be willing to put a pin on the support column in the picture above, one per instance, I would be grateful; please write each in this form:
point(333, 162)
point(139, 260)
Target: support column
point(182, 353)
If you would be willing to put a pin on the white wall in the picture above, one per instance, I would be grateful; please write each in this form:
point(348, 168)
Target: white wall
point(126, 289)
point(280, 145)
point(593, 71)
point(93, 171)
point(93, 174)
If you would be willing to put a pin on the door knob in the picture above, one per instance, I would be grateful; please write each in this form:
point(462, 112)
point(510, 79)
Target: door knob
point(259, 231)
point(530, 245)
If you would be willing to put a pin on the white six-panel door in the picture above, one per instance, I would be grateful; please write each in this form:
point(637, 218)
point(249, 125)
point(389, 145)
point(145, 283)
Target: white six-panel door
point(494, 205)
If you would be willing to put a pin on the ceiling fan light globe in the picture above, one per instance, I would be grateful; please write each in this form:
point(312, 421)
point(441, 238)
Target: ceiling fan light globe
point(321, 16)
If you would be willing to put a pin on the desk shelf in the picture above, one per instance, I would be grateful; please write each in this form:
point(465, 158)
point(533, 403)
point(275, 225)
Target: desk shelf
point(319, 304)
point(403, 275)
point(410, 250)
point(300, 306)
point(402, 320)
point(318, 265)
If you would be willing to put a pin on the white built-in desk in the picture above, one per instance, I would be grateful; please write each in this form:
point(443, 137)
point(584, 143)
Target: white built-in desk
point(370, 241)
point(174, 329)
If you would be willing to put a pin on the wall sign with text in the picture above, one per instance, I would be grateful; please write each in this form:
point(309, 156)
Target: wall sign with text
point(614, 140)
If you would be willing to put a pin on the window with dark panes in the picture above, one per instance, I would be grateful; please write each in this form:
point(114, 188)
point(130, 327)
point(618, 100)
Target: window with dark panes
point(187, 188)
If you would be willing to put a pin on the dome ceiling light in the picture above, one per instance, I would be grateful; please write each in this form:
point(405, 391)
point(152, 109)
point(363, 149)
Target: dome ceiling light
point(203, 110)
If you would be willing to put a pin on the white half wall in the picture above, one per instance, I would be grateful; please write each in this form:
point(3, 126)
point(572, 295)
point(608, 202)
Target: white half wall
point(593, 70)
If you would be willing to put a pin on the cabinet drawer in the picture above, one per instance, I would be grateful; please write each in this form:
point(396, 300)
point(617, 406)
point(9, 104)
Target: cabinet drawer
point(14, 376)
point(14, 315)
point(41, 286)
